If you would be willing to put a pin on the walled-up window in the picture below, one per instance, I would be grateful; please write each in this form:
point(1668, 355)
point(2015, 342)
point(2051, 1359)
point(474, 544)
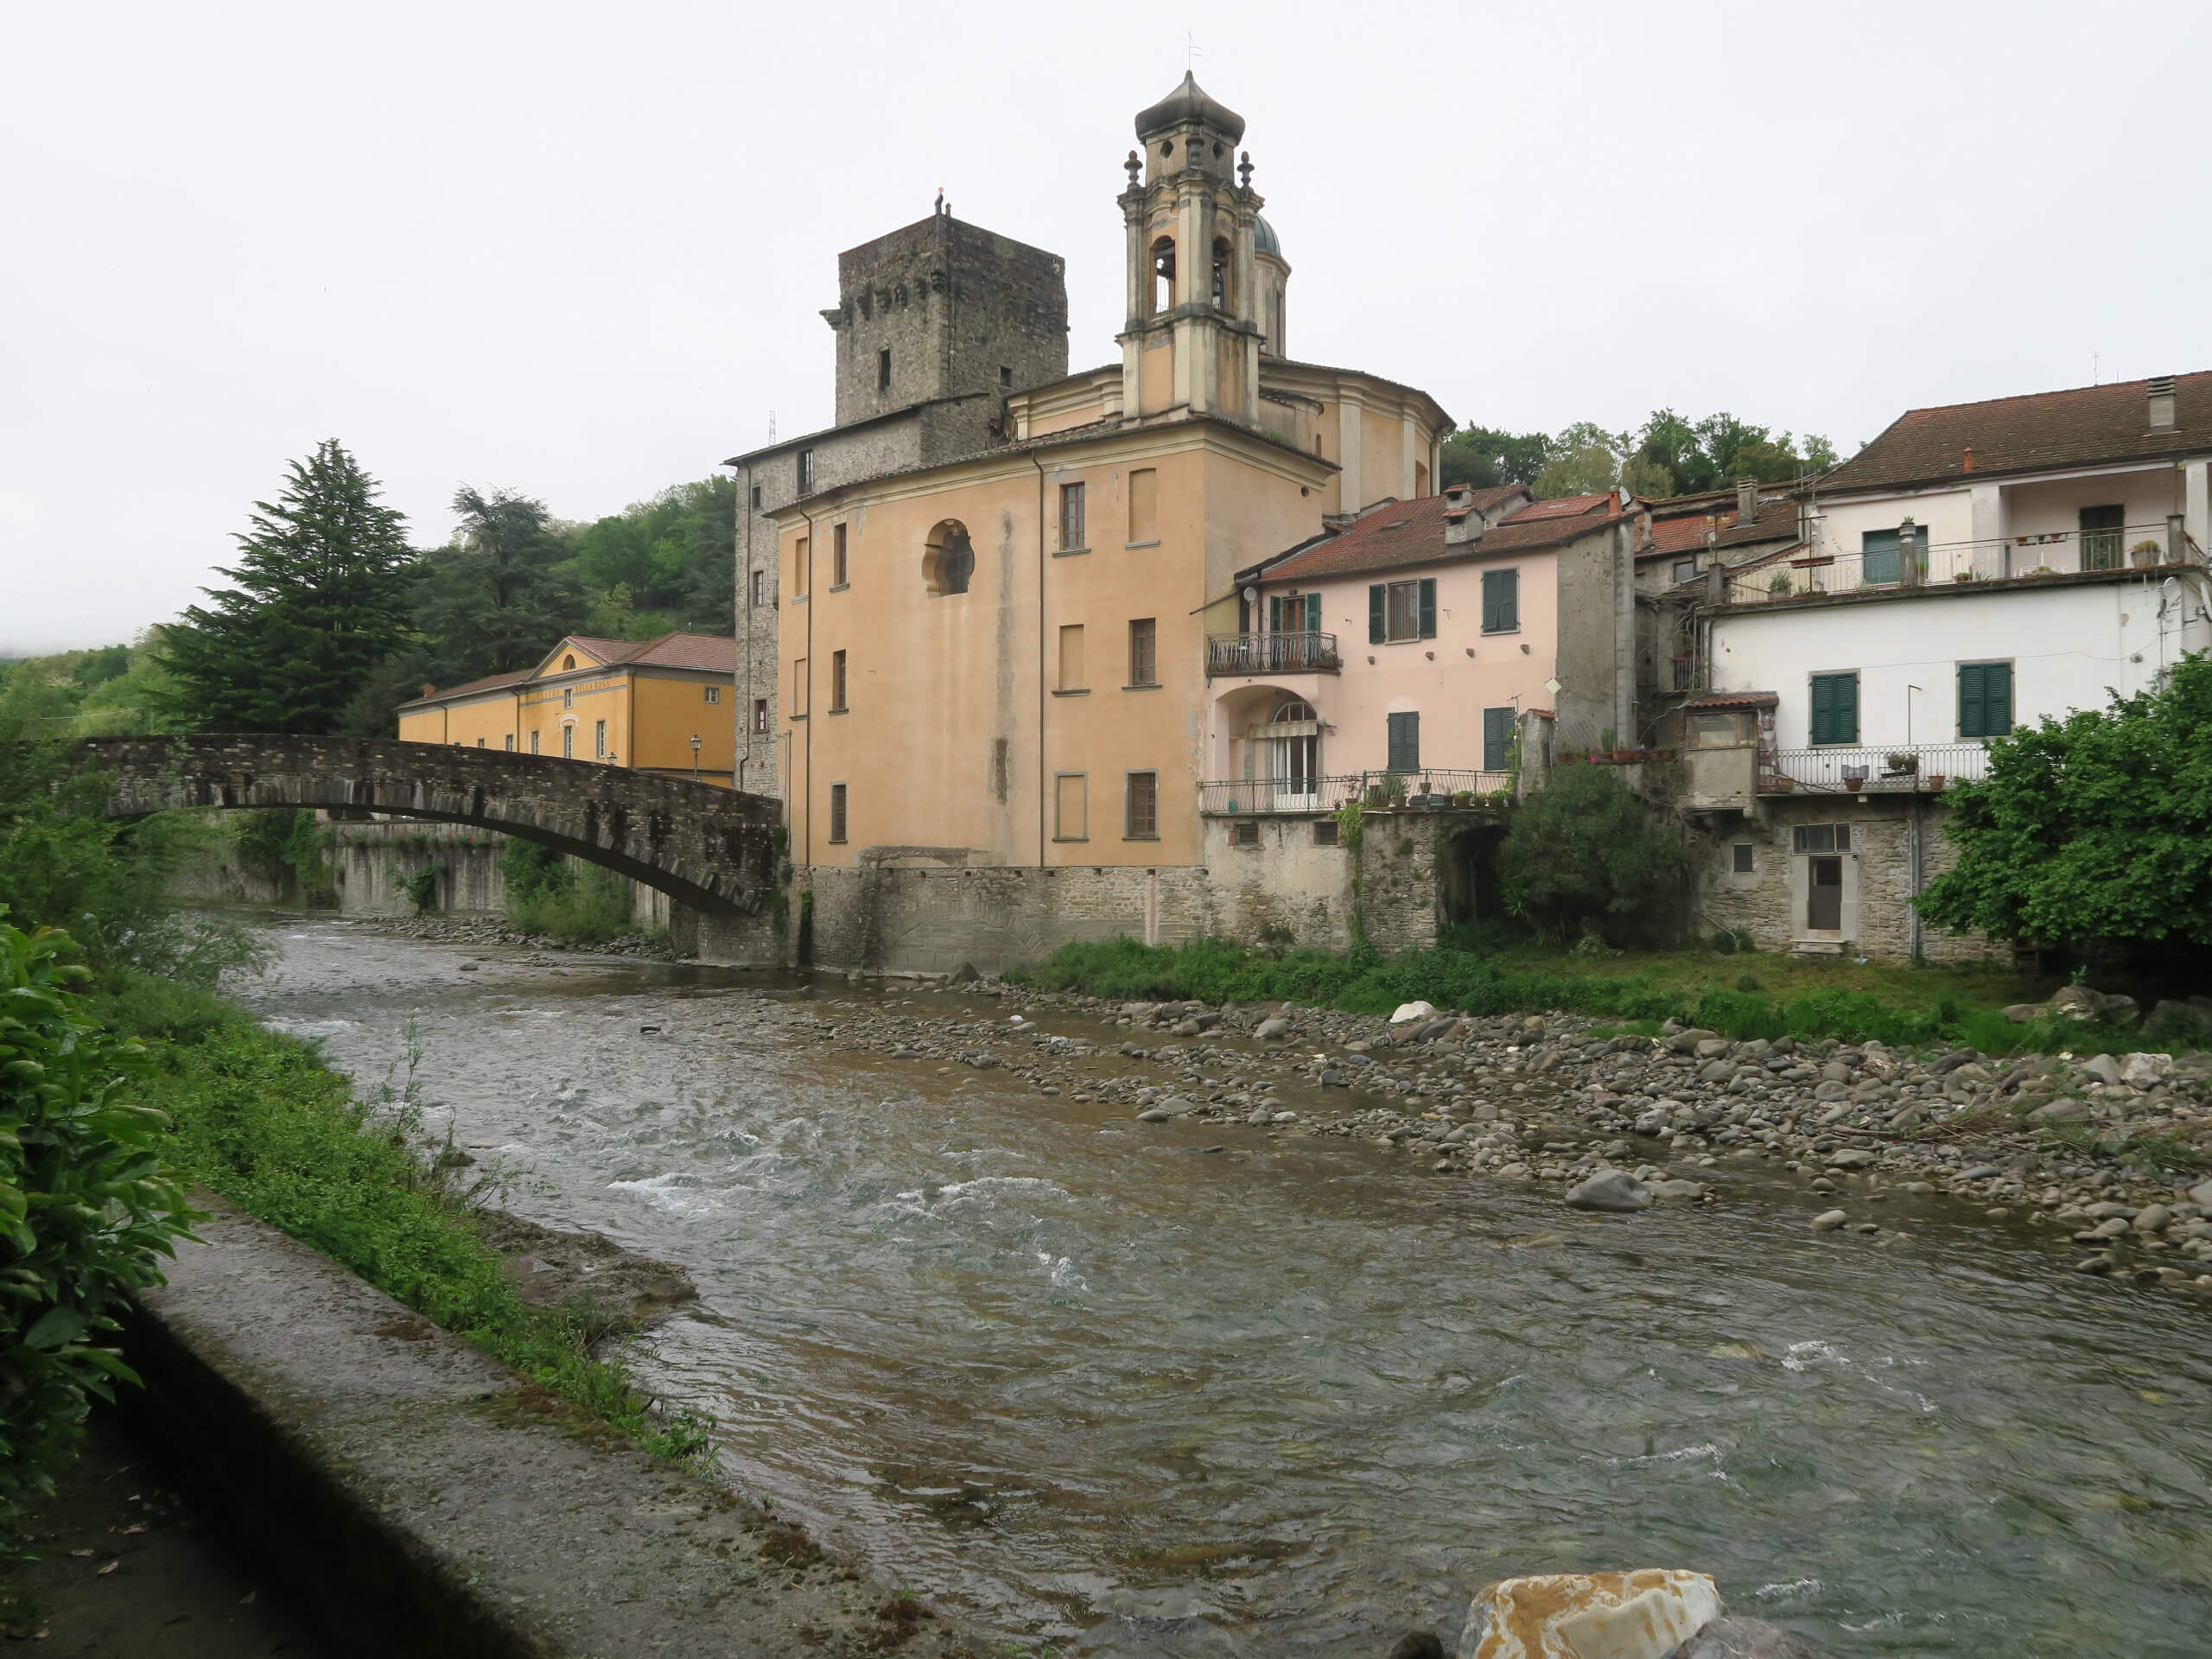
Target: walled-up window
point(836, 681)
point(1071, 807)
point(1144, 505)
point(837, 812)
point(837, 556)
point(1072, 528)
point(1163, 275)
point(1144, 651)
point(1141, 807)
point(948, 559)
point(1071, 658)
point(798, 688)
point(802, 550)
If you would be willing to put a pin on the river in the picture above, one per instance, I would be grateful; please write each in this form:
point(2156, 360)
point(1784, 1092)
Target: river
point(1105, 1389)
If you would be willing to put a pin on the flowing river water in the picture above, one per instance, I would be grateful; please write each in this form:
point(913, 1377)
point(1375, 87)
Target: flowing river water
point(1106, 1390)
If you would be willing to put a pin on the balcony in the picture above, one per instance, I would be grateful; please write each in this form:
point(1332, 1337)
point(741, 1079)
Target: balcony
point(1839, 769)
point(2012, 558)
point(1438, 787)
point(1271, 653)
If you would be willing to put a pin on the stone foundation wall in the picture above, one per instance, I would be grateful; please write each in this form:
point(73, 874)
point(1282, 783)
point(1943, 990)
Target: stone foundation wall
point(371, 863)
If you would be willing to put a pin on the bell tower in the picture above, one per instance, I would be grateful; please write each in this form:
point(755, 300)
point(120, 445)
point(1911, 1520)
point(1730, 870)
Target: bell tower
point(1196, 325)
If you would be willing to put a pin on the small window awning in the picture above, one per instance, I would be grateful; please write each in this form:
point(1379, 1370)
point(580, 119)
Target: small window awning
point(1734, 700)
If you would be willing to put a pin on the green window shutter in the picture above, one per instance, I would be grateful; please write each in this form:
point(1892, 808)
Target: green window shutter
point(1501, 600)
point(1313, 613)
point(1405, 742)
point(1497, 738)
point(1970, 700)
point(1374, 613)
point(1275, 612)
point(1835, 708)
point(1428, 607)
point(1823, 710)
point(1997, 698)
point(1880, 559)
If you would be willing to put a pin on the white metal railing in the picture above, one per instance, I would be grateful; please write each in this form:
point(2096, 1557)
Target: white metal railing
point(1861, 769)
point(2011, 558)
point(1435, 786)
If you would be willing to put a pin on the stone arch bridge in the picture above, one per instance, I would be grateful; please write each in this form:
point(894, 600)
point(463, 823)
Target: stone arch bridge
point(712, 849)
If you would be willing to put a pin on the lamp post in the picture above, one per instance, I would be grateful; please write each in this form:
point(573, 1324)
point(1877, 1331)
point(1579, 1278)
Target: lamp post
point(695, 757)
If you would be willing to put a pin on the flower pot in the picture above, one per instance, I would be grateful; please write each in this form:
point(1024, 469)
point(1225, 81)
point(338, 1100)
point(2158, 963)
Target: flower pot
point(1854, 781)
point(1784, 783)
point(1621, 757)
point(1937, 781)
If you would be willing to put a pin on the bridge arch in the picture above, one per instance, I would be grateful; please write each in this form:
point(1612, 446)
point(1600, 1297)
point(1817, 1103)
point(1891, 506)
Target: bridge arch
point(713, 849)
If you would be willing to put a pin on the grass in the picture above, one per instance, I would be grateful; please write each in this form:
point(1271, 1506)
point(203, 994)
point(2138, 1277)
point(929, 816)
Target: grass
point(1740, 997)
point(261, 1120)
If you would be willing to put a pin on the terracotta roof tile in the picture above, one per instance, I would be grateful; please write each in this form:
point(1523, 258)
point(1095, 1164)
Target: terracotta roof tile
point(1776, 521)
point(489, 682)
point(1735, 700)
point(1412, 532)
point(2084, 426)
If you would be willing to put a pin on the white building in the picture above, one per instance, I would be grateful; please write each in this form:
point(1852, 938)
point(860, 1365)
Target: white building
point(1975, 569)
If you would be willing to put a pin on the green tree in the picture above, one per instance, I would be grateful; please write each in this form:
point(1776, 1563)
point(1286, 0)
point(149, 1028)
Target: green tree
point(500, 596)
point(323, 599)
point(1585, 854)
point(1486, 458)
point(1585, 460)
point(2095, 829)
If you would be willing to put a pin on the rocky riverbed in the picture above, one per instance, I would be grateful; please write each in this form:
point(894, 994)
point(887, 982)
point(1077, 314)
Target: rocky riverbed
point(2099, 1151)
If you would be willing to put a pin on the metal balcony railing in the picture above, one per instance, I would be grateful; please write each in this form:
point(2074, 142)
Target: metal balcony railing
point(1436, 787)
point(2055, 553)
point(1272, 653)
point(1843, 769)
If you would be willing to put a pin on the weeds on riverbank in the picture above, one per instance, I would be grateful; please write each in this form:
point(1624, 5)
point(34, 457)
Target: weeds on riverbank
point(260, 1119)
point(549, 893)
point(1633, 993)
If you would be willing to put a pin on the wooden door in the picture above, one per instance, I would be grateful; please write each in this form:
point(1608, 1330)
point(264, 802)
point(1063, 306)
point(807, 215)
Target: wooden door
point(1824, 896)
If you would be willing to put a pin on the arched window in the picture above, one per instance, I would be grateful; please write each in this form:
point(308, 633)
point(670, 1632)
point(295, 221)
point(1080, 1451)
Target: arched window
point(568, 662)
point(948, 559)
point(1163, 275)
point(1289, 747)
point(1220, 275)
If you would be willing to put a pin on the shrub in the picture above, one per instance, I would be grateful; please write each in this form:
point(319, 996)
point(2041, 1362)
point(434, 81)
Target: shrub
point(546, 893)
point(278, 841)
point(421, 886)
point(86, 1208)
point(1583, 850)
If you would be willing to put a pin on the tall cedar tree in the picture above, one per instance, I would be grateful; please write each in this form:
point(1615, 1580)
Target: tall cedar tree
point(322, 598)
point(501, 594)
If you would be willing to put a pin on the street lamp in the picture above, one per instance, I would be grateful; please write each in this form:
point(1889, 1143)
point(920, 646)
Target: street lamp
point(695, 757)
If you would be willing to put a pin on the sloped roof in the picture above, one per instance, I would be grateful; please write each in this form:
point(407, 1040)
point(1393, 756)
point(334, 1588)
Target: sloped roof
point(2085, 426)
point(466, 688)
point(1734, 700)
point(709, 653)
point(1412, 532)
point(1685, 531)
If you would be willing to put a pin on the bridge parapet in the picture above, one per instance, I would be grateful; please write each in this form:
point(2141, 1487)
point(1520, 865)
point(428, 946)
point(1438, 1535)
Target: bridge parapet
point(711, 848)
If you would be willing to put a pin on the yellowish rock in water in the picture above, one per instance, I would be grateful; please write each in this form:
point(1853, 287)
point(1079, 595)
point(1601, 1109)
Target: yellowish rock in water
point(1641, 1615)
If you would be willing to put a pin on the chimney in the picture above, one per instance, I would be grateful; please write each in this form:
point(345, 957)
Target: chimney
point(1965, 459)
point(1747, 500)
point(1456, 495)
point(428, 690)
point(2161, 388)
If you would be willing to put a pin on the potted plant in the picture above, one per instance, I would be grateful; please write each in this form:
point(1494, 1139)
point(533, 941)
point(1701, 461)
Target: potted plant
point(1778, 584)
point(1855, 781)
point(1463, 798)
point(1936, 782)
point(1903, 763)
point(1783, 783)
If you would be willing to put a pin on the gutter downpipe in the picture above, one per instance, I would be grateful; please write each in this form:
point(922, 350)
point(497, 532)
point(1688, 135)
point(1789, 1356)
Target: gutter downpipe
point(809, 864)
point(1041, 774)
point(740, 756)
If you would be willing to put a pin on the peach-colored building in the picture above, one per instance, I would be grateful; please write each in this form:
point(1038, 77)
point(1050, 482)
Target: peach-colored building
point(1418, 638)
point(1002, 658)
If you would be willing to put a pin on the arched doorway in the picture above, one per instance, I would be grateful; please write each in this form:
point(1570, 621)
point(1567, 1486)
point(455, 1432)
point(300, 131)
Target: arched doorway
point(1282, 755)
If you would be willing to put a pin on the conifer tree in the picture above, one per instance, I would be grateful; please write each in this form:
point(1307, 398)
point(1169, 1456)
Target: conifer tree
point(322, 598)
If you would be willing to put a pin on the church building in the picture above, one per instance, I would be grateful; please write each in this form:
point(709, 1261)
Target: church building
point(991, 588)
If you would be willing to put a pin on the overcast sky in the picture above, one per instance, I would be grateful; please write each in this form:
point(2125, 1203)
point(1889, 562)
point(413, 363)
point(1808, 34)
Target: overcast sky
point(578, 250)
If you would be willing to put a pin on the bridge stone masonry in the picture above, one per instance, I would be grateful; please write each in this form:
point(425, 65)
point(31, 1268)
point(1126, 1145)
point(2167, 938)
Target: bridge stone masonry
point(714, 851)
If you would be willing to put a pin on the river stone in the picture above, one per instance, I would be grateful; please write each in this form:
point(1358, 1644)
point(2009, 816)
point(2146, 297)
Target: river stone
point(1852, 1157)
point(2201, 1195)
point(1831, 1089)
point(2059, 1111)
point(2144, 1070)
point(1641, 1615)
point(2155, 1218)
point(2023, 1014)
point(1677, 1190)
point(2102, 1067)
point(1410, 1011)
point(1153, 1114)
point(1827, 1220)
point(1718, 1071)
point(1686, 1042)
point(1729, 1637)
point(1612, 1190)
point(1712, 1048)
point(1272, 1031)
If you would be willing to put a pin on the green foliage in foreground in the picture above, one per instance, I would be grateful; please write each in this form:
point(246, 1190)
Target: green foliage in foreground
point(2095, 828)
point(86, 1208)
point(547, 893)
point(1208, 970)
point(1585, 856)
point(260, 1119)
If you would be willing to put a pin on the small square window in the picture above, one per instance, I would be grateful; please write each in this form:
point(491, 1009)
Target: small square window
point(1244, 832)
point(1005, 376)
point(714, 693)
point(1327, 832)
point(756, 497)
point(1685, 571)
point(1743, 856)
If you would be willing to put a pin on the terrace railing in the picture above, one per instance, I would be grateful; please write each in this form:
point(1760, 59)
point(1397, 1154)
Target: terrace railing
point(1436, 787)
point(1843, 769)
point(1272, 653)
point(2056, 553)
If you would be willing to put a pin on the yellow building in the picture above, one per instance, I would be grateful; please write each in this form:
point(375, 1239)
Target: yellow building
point(658, 705)
point(1002, 656)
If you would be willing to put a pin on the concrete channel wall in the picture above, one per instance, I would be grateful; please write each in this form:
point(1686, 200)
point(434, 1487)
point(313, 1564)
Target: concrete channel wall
point(418, 1497)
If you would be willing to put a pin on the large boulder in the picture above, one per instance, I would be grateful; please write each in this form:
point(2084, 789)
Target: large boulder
point(2145, 1070)
point(1686, 1042)
point(1646, 1614)
point(1408, 1012)
point(1614, 1191)
point(2080, 1002)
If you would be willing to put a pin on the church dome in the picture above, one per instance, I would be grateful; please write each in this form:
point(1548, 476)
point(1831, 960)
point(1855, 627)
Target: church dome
point(1187, 103)
point(1264, 240)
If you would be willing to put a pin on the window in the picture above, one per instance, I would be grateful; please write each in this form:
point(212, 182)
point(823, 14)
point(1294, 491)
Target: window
point(802, 549)
point(1071, 807)
point(508, 743)
point(479, 742)
point(1144, 651)
point(1244, 832)
point(1144, 505)
point(1295, 614)
point(714, 693)
point(837, 811)
point(2100, 537)
point(760, 589)
point(1005, 376)
point(1821, 838)
point(804, 470)
point(759, 714)
point(533, 742)
point(1141, 813)
point(1835, 708)
point(1501, 601)
point(1685, 571)
point(948, 559)
point(1401, 610)
point(1220, 274)
point(1882, 554)
point(836, 681)
point(1741, 854)
point(798, 688)
point(568, 662)
point(1071, 525)
point(599, 738)
point(1497, 738)
point(1985, 699)
point(837, 556)
point(756, 497)
point(1327, 832)
point(1163, 275)
point(883, 370)
point(1071, 658)
point(1405, 743)
point(569, 742)
point(1725, 728)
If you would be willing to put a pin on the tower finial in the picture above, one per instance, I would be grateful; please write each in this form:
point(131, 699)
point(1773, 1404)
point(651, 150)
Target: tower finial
point(1244, 170)
point(1133, 167)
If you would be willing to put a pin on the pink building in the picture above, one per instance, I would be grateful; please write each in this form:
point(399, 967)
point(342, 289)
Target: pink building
point(1419, 639)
